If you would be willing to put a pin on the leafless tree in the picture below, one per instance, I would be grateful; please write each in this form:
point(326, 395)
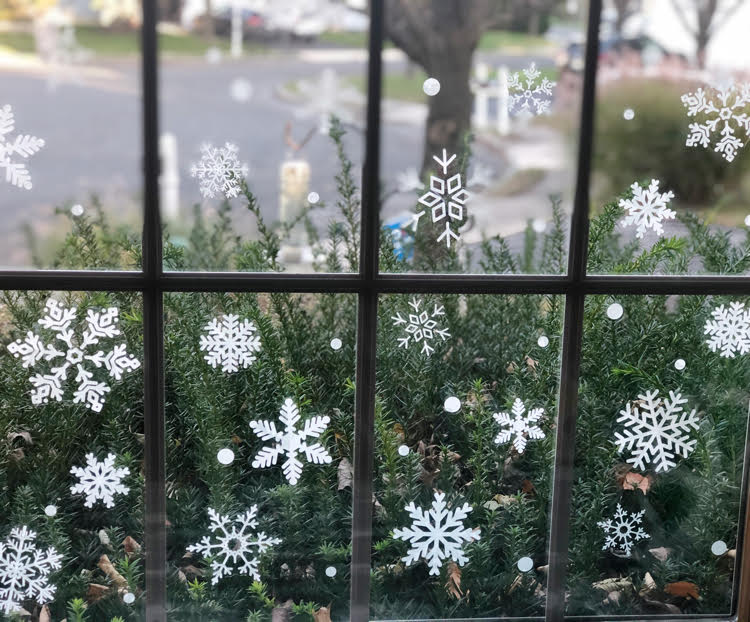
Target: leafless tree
point(624, 9)
point(702, 18)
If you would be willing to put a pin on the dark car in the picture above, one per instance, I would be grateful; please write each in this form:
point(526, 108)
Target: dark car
point(253, 23)
point(610, 49)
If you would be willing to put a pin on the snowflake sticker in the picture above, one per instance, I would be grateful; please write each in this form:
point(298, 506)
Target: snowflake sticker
point(528, 94)
point(437, 534)
point(230, 343)
point(219, 171)
point(235, 545)
point(656, 430)
point(75, 357)
point(420, 326)
point(25, 570)
point(519, 426)
point(729, 331)
point(446, 197)
point(100, 480)
point(23, 146)
point(725, 113)
point(291, 441)
point(648, 208)
point(623, 531)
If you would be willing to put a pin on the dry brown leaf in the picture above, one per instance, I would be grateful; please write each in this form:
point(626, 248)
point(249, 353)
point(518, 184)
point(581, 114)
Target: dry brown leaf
point(505, 501)
point(731, 553)
point(649, 585)
point(131, 546)
point(108, 569)
point(236, 439)
point(22, 435)
point(96, 592)
point(453, 582)
point(45, 615)
point(531, 362)
point(345, 473)
point(511, 367)
point(613, 584)
point(323, 614)
point(636, 481)
point(661, 553)
point(528, 487)
point(682, 589)
point(399, 430)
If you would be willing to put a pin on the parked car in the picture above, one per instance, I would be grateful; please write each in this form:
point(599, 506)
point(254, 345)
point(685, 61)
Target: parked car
point(253, 23)
point(611, 49)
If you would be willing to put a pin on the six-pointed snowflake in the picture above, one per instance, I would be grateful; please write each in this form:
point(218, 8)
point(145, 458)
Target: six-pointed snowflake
point(234, 545)
point(23, 145)
point(656, 430)
point(623, 531)
point(528, 94)
point(519, 427)
point(420, 326)
point(59, 319)
point(648, 208)
point(99, 480)
point(437, 534)
point(230, 343)
point(722, 113)
point(291, 441)
point(25, 570)
point(219, 171)
point(446, 197)
point(729, 331)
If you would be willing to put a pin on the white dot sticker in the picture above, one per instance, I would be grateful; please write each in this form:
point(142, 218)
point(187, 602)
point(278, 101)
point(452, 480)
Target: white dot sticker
point(225, 456)
point(539, 225)
point(614, 311)
point(629, 114)
point(403, 450)
point(679, 364)
point(51, 510)
point(129, 598)
point(331, 571)
point(747, 220)
point(241, 90)
point(452, 404)
point(719, 547)
point(336, 343)
point(77, 210)
point(525, 564)
point(543, 341)
point(213, 55)
point(431, 87)
point(313, 198)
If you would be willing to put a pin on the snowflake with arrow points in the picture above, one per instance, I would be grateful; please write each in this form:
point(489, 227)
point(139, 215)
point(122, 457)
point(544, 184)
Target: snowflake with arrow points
point(729, 331)
point(519, 427)
point(648, 208)
point(437, 534)
point(234, 546)
point(23, 146)
point(728, 109)
point(100, 480)
point(58, 319)
point(446, 197)
point(420, 326)
point(230, 343)
point(291, 441)
point(658, 430)
point(219, 171)
point(528, 93)
point(623, 531)
point(25, 570)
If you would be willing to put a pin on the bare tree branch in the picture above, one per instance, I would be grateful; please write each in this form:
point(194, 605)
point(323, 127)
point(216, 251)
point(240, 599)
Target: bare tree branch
point(682, 16)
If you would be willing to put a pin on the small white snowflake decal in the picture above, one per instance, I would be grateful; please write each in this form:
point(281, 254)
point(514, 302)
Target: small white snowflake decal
point(219, 171)
point(59, 319)
point(25, 570)
point(100, 480)
point(729, 331)
point(519, 427)
point(528, 94)
point(446, 197)
point(23, 145)
point(234, 543)
point(623, 531)
point(658, 430)
point(648, 208)
point(291, 441)
point(230, 343)
point(437, 534)
point(722, 114)
point(420, 326)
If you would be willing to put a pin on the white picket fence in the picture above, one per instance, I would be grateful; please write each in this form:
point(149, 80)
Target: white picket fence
point(491, 99)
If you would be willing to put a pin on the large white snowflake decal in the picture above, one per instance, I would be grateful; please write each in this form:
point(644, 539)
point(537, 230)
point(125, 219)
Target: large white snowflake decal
point(446, 197)
point(49, 386)
point(420, 326)
point(656, 430)
point(528, 94)
point(291, 441)
point(623, 531)
point(729, 108)
point(99, 480)
point(729, 331)
point(230, 343)
point(219, 171)
point(25, 570)
point(23, 146)
point(234, 545)
point(519, 427)
point(648, 208)
point(437, 534)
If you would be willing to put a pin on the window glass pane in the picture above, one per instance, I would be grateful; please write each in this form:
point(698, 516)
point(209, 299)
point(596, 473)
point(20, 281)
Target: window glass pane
point(669, 182)
point(71, 474)
point(465, 423)
point(70, 130)
point(660, 444)
point(259, 394)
